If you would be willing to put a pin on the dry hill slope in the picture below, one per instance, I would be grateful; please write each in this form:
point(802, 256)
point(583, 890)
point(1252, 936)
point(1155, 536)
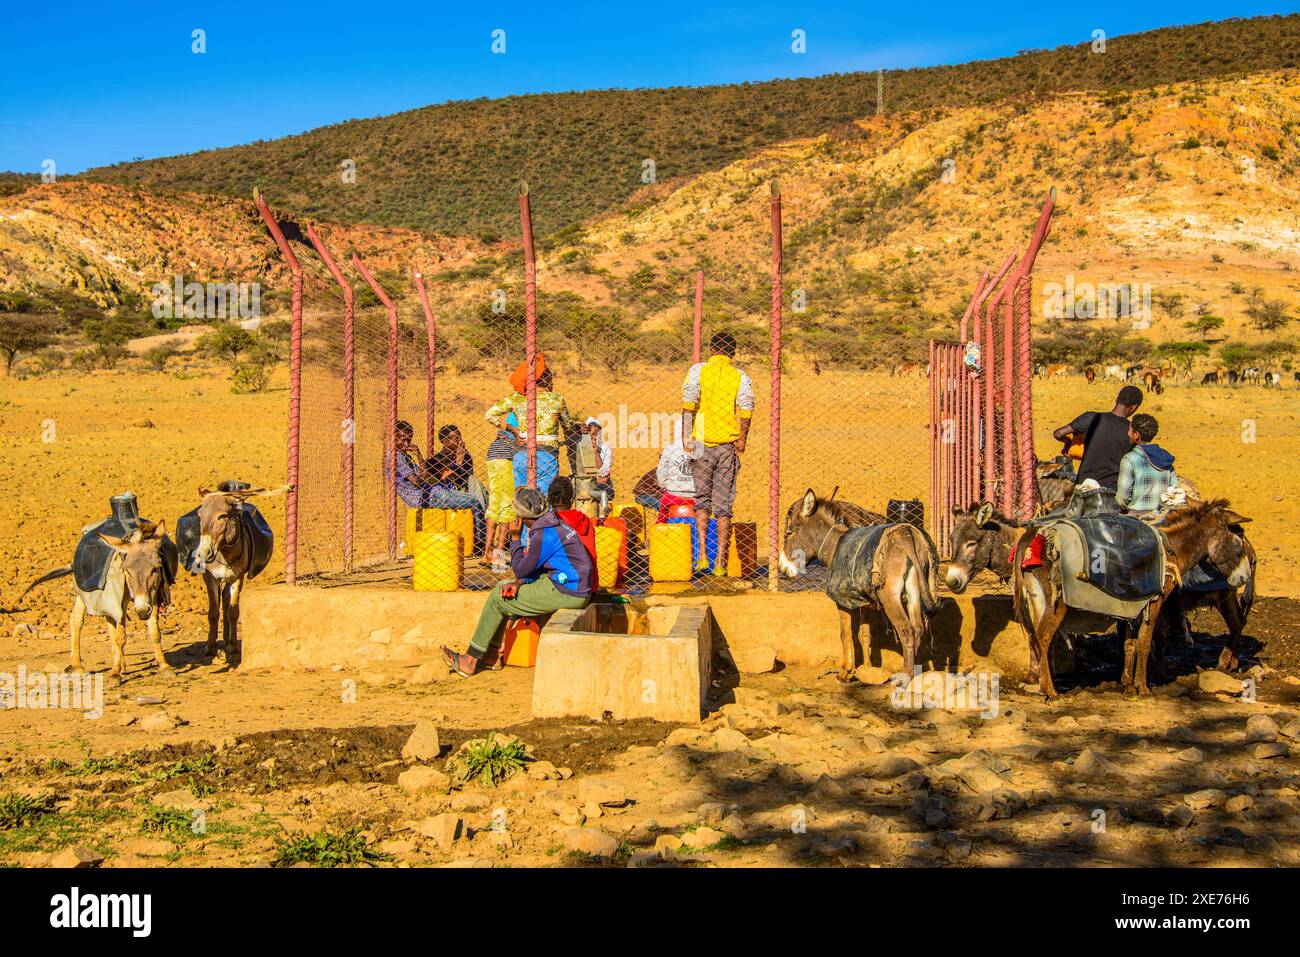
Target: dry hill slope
point(110, 244)
point(452, 167)
point(1189, 192)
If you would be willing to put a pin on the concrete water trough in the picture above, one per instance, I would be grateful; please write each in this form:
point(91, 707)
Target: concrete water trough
point(627, 661)
point(374, 625)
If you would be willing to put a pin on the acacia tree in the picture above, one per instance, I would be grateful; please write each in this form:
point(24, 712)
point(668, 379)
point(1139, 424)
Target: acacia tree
point(1267, 315)
point(23, 331)
point(1204, 325)
point(1182, 354)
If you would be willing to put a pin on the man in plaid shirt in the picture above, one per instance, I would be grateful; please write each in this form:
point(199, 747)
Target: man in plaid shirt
point(1147, 471)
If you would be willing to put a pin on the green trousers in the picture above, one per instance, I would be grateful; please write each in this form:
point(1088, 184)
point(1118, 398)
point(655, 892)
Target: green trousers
point(533, 599)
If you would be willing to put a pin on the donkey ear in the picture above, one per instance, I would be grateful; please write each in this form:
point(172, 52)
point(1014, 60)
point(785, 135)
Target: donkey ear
point(157, 530)
point(957, 510)
point(809, 503)
point(113, 542)
point(1233, 518)
point(204, 492)
point(984, 514)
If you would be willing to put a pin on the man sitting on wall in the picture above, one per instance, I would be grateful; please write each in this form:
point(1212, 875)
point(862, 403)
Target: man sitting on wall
point(452, 471)
point(413, 477)
point(554, 568)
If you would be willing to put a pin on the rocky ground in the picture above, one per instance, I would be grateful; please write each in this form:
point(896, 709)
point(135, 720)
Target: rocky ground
point(789, 768)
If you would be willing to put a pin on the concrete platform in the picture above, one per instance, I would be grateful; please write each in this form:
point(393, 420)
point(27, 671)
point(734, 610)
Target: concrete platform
point(358, 625)
point(616, 660)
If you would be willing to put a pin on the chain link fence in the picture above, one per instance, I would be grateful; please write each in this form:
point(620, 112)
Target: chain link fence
point(406, 400)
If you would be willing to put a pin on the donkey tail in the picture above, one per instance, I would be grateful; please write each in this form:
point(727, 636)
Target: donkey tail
point(927, 574)
point(47, 577)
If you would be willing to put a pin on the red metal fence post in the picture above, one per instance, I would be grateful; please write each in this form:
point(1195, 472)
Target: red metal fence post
point(935, 508)
point(1022, 296)
point(390, 440)
point(349, 423)
point(988, 363)
point(699, 315)
point(430, 374)
point(1008, 399)
point(970, 427)
point(1025, 410)
point(530, 329)
point(945, 493)
point(295, 390)
point(774, 433)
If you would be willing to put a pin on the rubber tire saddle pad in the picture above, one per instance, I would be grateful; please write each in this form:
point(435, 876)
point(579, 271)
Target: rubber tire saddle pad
point(1110, 564)
point(848, 581)
point(91, 560)
point(263, 540)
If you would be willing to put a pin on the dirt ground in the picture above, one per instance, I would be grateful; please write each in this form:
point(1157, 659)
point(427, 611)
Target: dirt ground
point(789, 768)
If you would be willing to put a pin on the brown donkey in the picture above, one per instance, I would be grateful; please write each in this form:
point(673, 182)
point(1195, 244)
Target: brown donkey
point(234, 545)
point(138, 578)
point(1233, 605)
point(1190, 534)
point(883, 565)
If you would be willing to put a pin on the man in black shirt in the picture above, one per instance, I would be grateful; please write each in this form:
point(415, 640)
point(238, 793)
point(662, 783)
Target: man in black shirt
point(1105, 439)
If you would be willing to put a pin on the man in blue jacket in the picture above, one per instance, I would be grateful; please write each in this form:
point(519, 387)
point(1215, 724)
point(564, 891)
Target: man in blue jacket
point(553, 569)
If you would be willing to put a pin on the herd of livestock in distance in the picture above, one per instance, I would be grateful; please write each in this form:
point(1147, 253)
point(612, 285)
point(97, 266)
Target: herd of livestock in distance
point(1152, 377)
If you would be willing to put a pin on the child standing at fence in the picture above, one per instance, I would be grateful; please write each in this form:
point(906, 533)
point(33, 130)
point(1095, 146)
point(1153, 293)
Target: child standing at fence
point(501, 517)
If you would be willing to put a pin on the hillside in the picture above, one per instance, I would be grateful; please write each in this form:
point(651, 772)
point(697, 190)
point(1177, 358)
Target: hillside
point(880, 243)
point(98, 247)
point(1152, 193)
point(453, 168)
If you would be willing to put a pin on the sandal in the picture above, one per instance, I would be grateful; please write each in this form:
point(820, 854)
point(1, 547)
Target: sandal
point(452, 660)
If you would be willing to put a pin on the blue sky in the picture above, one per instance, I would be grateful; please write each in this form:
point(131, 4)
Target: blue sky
point(93, 83)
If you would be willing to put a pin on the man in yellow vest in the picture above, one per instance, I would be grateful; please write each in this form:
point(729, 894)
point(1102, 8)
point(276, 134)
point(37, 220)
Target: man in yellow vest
point(717, 403)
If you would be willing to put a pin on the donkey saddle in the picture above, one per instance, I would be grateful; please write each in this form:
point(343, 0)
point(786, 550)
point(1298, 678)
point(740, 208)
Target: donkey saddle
point(91, 560)
point(1110, 563)
point(263, 539)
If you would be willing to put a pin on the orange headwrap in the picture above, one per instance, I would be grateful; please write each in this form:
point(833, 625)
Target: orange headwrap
point(519, 378)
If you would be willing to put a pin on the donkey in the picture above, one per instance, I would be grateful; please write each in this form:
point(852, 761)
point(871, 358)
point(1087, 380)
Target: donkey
point(981, 539)
point(903, 564)
point(1191, 533)
point(1233, 605)
point(138, 577)
point(233, 546)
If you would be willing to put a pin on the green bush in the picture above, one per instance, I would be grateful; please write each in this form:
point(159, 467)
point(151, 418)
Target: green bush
point(326, 849)
point(156, 357)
